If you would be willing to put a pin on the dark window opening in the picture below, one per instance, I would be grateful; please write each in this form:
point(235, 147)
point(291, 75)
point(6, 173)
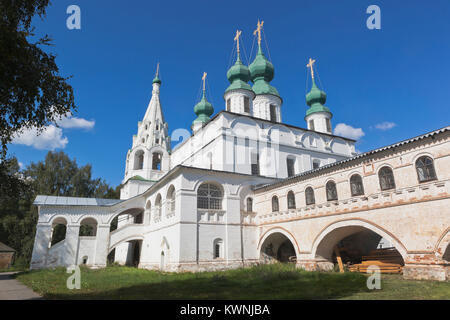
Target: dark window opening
point(255, 164)
point(156, 163)
point(246, 104)
point(386, 177)
point(275, 206)
point(291, 200)
point(309, 195)
point(290, 167)
point(356, 185)
point(273, 113)
point(331, 191)
point(425, 169)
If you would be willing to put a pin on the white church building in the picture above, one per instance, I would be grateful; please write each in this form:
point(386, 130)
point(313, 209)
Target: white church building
point(202, 205)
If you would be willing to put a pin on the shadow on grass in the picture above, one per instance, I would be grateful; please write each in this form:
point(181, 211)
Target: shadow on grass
point(256, 283)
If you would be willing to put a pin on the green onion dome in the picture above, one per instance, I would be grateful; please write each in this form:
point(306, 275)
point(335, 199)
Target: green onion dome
point(203, 110)
point(261, 73)
point(316, 99)
point(238, 75)
point(156, 80)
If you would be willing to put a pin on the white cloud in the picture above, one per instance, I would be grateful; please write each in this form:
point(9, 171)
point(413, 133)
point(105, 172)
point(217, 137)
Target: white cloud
point(385, 125)
point(50, 139)
point(69, 122)
point(347, 131)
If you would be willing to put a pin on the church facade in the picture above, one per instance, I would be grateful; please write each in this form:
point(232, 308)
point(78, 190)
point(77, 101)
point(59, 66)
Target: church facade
point(246, 188)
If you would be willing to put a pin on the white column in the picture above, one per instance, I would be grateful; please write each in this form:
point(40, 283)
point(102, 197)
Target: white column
point(71, 245)
point(41, 243)
point(101, 245)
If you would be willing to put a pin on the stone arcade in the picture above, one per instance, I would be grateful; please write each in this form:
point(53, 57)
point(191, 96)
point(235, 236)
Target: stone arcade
point(246, 188)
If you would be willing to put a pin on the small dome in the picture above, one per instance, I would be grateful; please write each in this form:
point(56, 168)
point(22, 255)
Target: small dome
point(315, 96)
point(203, 110)
point(238, 75)
point(261, 67)
point(316, 99)
point(156, 80)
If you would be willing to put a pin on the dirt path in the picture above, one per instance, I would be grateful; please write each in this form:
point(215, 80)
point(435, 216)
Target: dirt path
point(12, 289)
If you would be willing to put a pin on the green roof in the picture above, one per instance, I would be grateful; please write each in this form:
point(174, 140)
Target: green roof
point(203, 110)
point(261, 73)
point(316, 99)
point(238, 75)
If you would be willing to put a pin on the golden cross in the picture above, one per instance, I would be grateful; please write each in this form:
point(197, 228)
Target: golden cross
point(310, 65)
point(258, 30)
point(204, 80)
point(238, 34)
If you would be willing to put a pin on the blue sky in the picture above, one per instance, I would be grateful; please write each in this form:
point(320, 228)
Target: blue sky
point(398, 74)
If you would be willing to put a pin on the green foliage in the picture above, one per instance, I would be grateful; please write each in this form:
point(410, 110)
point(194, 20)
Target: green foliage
point(57, 175)
point(32, 93)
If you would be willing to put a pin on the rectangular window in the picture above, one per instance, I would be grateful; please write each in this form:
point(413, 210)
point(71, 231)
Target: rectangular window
point(311, 125)
point(217, 251)
point(255, 164)
point(228, 104)
point(328, 126)
point(273, 113)
point(316, 164)
point(246, 104)
point(290, 167)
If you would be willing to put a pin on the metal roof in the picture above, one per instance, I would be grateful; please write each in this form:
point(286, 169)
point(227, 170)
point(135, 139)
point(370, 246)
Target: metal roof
point(72, 201)
point(360, 156)
point(5, 248)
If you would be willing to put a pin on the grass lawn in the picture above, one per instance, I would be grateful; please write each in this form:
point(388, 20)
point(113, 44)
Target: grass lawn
point(261, 282)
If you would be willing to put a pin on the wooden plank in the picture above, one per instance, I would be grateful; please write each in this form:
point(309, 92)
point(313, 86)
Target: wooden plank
point(339, 259)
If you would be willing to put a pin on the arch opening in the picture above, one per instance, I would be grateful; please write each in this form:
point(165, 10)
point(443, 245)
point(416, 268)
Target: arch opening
point(358, 247)
point(88, 227)
point(277, 248)
point(446, 255)
point(59, 229)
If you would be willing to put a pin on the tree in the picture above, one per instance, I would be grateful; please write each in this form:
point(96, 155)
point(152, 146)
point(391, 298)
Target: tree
point(32, 93)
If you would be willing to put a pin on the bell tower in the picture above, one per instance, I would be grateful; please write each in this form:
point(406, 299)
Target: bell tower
point(148, 158)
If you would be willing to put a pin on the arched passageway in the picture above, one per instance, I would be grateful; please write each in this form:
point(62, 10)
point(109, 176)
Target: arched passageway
point(277, 248)
point(358, 247)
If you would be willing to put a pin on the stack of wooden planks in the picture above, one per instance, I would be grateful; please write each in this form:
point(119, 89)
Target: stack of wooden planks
point(388, 260)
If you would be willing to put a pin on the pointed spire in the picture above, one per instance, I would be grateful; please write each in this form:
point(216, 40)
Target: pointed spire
point(156, 79)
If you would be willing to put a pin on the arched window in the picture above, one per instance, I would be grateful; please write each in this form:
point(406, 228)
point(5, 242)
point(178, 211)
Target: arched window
point(386, 177)
point(275, 206)
point(170, 201)
point(158, 207)
point(425, 169)
point(331, 191)
point(139, 160)
point(218, 249)
point(249, 204)
point(356, 185)
point(209, 196)
point(156, 163)
point(291, 200)
point(59, 228)
point(309, 195)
